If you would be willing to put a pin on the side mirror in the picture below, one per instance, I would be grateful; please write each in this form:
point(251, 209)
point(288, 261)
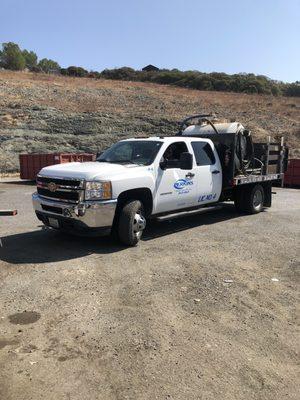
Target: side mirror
point(186, 161)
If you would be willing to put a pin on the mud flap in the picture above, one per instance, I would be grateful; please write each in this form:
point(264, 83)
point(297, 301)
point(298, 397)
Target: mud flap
point(267, 195)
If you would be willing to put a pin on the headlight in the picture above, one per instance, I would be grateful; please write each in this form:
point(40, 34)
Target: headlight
point(95, 190)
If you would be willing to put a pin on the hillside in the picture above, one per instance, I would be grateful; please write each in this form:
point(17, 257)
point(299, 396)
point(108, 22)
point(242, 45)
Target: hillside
point(46, 113)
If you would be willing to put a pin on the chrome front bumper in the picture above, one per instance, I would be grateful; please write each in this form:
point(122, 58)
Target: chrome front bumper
point(88, 214)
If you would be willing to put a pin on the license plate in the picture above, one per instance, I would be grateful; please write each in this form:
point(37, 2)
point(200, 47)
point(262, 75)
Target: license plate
point(53, 223)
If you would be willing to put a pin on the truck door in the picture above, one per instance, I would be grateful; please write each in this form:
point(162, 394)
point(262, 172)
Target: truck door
point(208, 172)
point(175, 188)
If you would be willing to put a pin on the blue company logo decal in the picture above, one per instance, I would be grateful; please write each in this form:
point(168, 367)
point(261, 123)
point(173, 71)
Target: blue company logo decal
point(207, 197)
point(182, 183)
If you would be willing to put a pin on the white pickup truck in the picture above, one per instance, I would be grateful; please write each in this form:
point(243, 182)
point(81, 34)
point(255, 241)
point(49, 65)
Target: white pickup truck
point(143, 178)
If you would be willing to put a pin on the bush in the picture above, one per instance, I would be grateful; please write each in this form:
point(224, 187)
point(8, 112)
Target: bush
point(64, 71)
point(251, 89)
point(94, 74)
point(124, 74)
point(76, 71)
point(292, 89)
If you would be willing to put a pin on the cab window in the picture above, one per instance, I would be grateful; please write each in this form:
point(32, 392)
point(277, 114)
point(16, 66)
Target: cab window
point(171, 156)
point(203, 153)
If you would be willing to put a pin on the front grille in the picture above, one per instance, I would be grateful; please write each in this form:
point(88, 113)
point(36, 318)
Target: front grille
point(60, 189)
point(56, 210)
point(59, 194)
point(73, 183)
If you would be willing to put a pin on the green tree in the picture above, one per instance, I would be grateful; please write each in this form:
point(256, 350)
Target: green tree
point(47, 65)
point(11, 57)
point(30, 59)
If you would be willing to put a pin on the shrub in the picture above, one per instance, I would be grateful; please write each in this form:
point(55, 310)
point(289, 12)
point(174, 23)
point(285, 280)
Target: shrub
point(94, 74)
point(76, 71)
point(251, 89)
point(124, 73)
point(64, 71)
point(292, 89)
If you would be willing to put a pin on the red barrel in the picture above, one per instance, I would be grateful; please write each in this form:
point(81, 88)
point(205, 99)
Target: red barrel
point(292, 174)
point(31, 164)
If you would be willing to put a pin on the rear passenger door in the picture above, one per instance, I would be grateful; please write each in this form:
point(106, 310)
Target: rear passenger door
point(208, 172)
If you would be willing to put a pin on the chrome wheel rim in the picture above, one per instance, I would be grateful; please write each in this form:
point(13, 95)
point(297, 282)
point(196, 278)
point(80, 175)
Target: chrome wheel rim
point(257, 199)
point(139, 224)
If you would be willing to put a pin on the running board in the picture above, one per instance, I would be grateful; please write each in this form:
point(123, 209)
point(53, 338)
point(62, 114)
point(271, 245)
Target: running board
point(201, 210)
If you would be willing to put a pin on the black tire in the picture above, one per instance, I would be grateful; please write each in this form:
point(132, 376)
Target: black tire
point(131, 223)
point(254, 199)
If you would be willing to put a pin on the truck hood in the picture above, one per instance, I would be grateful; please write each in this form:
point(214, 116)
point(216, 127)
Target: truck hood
point(86, 170)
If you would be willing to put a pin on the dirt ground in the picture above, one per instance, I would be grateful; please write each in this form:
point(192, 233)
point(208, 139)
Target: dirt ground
point(204, 308)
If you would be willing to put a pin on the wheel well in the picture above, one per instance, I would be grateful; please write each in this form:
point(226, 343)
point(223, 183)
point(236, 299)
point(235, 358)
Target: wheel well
point(142, 194)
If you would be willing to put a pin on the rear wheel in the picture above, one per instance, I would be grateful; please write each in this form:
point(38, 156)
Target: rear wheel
point(257, 201)
point(132, 223)
point(250, 199)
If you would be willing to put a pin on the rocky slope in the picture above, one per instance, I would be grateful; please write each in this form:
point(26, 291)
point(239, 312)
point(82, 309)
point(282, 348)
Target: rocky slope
point(42, 113)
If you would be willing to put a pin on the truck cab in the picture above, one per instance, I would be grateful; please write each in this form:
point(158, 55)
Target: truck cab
point(162, 174)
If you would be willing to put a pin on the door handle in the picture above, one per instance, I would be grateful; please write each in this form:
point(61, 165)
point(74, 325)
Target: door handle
point(216, 171)
point(190, 175)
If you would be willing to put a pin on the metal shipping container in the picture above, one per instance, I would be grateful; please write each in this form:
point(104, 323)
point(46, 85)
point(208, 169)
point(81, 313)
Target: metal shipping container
point(292, 174)
point(31, 164)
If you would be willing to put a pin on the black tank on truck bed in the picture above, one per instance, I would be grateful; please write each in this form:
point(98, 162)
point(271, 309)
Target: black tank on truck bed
point(244, 162)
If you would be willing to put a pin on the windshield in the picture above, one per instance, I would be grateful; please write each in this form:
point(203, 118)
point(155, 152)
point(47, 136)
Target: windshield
point(141, 152)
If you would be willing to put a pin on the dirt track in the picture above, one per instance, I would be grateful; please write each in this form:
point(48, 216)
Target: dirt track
point(191, 313)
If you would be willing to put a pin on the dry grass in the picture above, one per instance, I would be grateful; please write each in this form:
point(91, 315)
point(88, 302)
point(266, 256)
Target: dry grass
point(136, 104)
point(114, 96)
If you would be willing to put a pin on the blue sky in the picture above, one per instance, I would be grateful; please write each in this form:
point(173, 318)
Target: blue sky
point(259, 36)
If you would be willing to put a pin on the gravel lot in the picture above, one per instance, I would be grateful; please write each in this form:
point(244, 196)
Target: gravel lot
point(204, 308)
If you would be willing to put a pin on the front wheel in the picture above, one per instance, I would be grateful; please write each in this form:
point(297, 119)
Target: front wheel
point(131, 223)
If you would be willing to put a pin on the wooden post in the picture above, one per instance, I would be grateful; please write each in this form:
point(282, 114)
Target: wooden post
point(267, 156)
point(281, 156)
point(5, 213)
